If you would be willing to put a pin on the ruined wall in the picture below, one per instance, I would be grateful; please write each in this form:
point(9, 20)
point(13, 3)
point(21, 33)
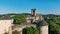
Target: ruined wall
point(21, 27)
point(5, 25)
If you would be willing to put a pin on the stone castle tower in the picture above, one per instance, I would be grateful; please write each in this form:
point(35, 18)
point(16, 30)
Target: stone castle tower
point(36, 16)
point(33, 12)
point(43, 26)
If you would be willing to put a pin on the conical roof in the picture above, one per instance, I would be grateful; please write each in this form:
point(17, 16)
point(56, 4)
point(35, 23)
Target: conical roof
point(42, 23)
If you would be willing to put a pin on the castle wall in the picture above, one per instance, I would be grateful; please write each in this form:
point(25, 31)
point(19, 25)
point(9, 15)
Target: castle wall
point(21, 27)
point(5, 25)
point(28, 19)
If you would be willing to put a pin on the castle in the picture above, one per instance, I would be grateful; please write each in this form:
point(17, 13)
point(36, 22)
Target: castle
point(6, 25)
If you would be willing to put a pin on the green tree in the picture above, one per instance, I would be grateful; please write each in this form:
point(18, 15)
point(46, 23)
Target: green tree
point(20, 19)
point(35, 30)
point(54, 27)
point(32, 30)
point(28, 30)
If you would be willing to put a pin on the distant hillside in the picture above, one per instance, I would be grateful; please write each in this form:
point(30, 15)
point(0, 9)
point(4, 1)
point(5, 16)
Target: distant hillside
point(12, 15)
point(52, 15)
point(48, 15)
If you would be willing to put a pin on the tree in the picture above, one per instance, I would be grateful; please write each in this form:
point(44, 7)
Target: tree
point(28, 30)
point(20, 19)
point(32, 30)
point(35, 30)
point(54, 27)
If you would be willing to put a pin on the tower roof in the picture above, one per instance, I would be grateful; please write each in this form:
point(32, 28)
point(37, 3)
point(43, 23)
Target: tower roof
point(42, 23)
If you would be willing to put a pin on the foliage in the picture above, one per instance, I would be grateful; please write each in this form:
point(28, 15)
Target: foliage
point(54, 25)
point(15, 32)
point(5, 33)
point(32, 30)
point(20, 19)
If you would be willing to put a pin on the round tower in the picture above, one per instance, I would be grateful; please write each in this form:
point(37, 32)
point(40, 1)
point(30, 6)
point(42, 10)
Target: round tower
point(43, 28)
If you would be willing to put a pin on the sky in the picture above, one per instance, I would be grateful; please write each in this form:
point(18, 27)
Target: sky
point(25, 6)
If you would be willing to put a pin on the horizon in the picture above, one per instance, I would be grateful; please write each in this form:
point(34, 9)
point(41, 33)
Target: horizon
point(25, 6)
point(26, 13)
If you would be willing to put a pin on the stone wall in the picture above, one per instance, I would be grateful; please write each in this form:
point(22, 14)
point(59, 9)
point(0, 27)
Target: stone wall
point(21, 27)
point(5, 25)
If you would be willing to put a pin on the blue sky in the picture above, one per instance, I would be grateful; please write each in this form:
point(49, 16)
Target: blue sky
point(25, 6)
